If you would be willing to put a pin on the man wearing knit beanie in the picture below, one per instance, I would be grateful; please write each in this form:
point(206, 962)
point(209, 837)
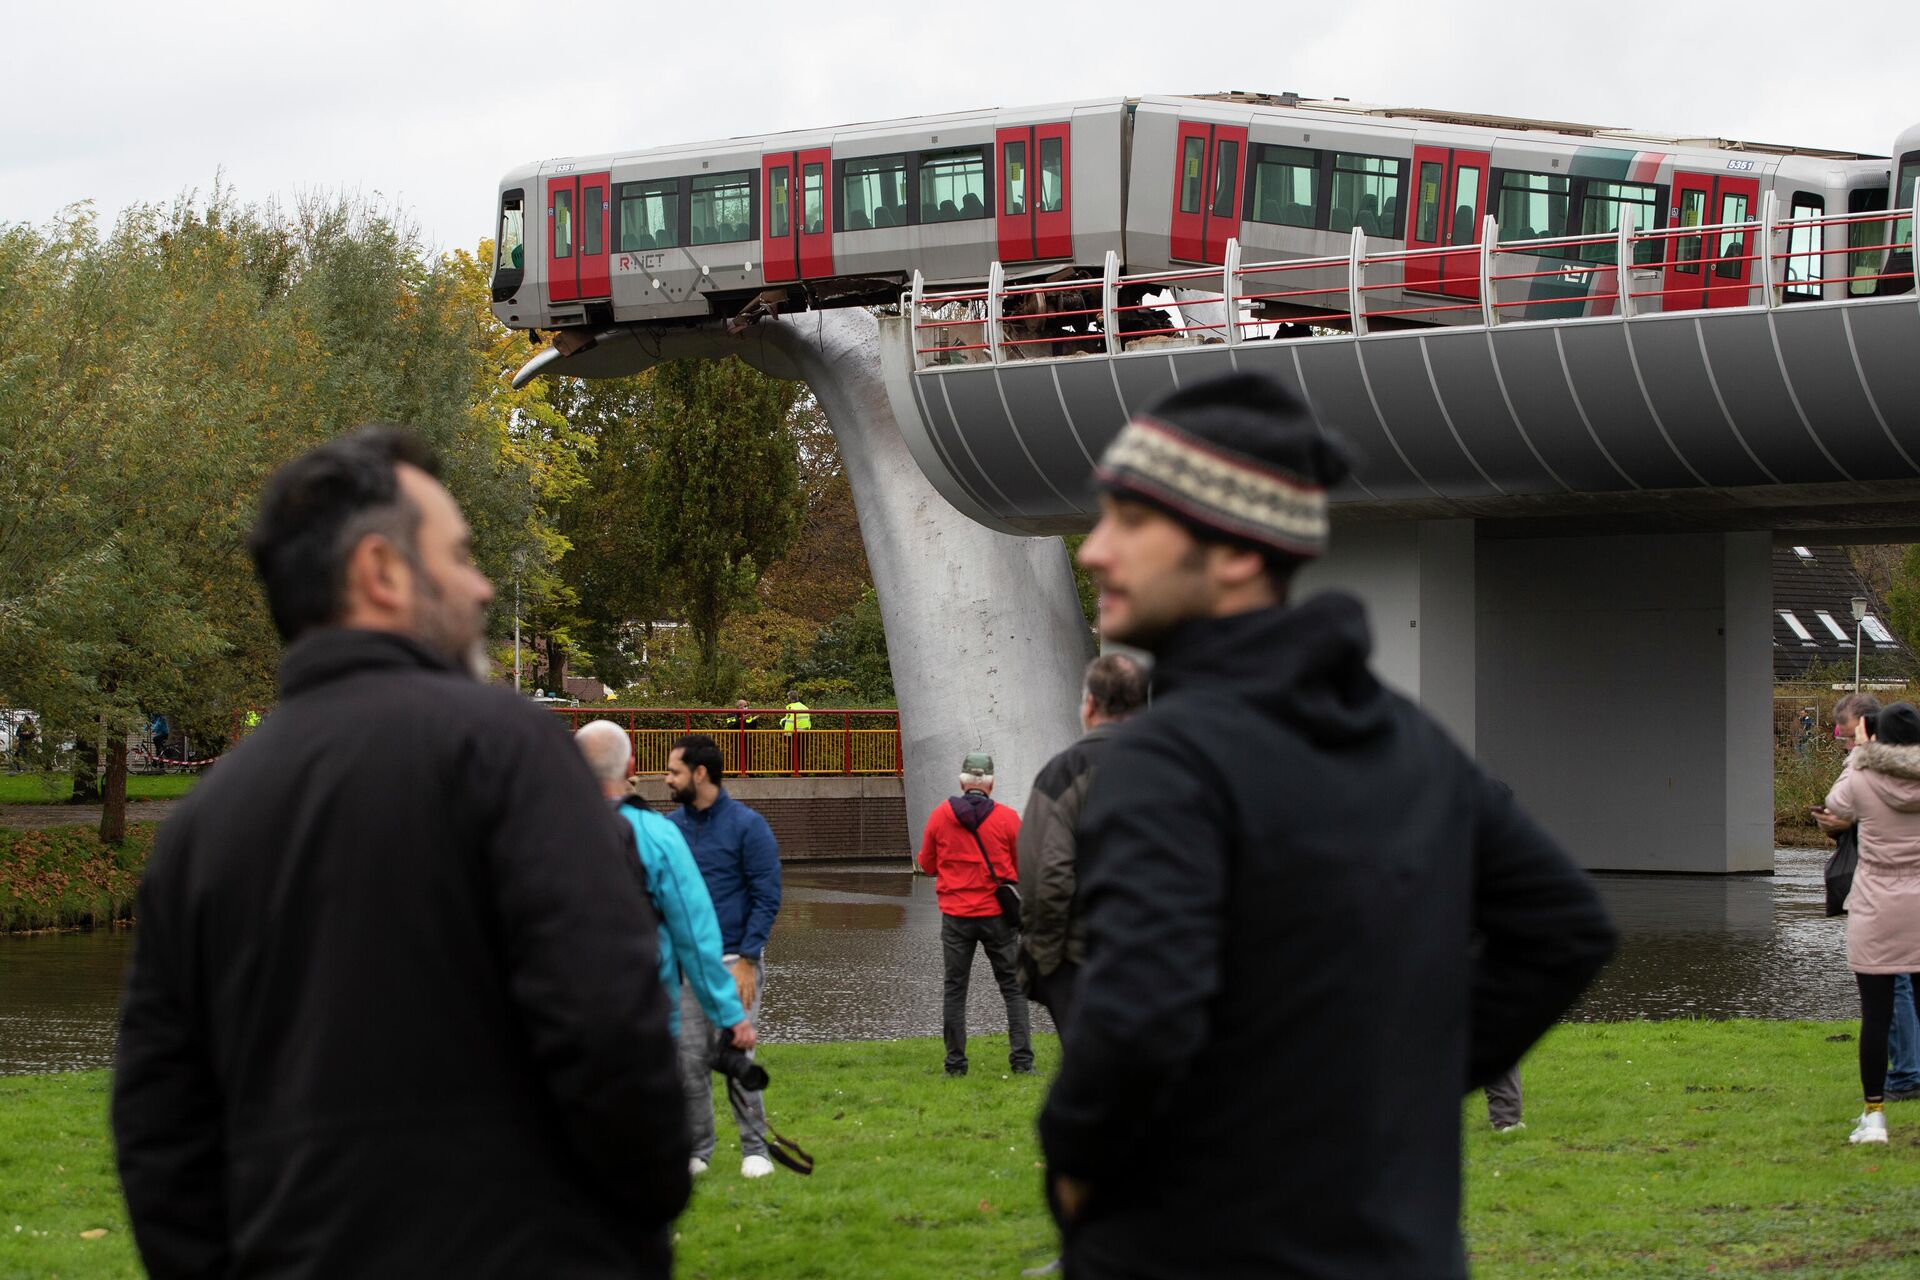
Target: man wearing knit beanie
point(1313, 922)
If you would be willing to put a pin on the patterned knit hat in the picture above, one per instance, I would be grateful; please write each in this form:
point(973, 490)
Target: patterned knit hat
point(1238, 459)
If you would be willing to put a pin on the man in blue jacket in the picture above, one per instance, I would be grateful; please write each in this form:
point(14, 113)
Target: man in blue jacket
point(740, 862)
point(690, 944)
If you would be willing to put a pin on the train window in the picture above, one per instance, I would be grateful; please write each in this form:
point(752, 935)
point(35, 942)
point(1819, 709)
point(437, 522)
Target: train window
point(563, 224)
point(1533, 206)
point(1687, 250)
point(953, 184)
point(1866, 241)
point(1053, 176)
point(1427, 225)
point(1605, 205)
point(1192, 160)
point(1733, 243)
point(510, 249)
point(722, 209)
point(1013, 160)
point(874, 192)
point(1804, 267)
point(813, 199)
point(1466, 199)
point(1226, 178)
point(593, 212)
point(649, 215)
point(1366, 194)
point(1903, 227)
point(1286, 185)
point(779, 201)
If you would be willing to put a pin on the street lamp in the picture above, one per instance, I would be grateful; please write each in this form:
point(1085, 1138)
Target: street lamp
point(1859, 617)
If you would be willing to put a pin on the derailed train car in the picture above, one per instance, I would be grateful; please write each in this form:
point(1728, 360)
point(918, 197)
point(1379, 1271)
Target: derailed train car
point(846, 216)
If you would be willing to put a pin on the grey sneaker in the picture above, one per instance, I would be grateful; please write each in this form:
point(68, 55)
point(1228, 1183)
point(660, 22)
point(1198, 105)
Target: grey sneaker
point(1903, 1095)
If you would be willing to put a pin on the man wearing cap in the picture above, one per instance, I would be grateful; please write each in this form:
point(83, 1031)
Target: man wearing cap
point(969, 848)
point(1313, 923)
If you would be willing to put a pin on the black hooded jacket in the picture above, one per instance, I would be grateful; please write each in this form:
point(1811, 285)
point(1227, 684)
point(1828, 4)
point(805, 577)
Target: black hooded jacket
point(394, 1008)
point(1313, 924)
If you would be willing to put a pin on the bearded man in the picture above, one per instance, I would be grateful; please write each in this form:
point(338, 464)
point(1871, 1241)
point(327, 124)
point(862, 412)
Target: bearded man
point(395, 1007)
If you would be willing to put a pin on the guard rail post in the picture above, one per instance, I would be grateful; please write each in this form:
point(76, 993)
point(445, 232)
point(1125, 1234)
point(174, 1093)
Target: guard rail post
point(1230, 291)
point(1356, 276)
point(1623, 268)
point(913, 319)
point(1769, 217)
point(1489, 313)
point(1109, 296)
point(996, 281)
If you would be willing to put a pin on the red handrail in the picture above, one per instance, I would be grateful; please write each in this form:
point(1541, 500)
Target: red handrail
point(755, 742)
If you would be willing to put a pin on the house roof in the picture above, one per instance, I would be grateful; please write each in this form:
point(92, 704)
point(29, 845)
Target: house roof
point(1813, 593)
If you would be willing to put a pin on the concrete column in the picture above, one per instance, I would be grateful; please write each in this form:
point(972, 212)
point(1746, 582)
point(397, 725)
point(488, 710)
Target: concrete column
point(1416, 579)
point(984, 630)
point(1625, 693)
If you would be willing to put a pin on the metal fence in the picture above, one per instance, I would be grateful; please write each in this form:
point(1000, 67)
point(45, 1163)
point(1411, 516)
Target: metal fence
point(757, 742)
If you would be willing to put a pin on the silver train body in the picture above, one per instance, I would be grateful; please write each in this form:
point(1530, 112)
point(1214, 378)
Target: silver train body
point(846, 216)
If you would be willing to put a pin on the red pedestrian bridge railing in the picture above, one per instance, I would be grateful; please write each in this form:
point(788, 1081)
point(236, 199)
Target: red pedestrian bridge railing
point(758, 742)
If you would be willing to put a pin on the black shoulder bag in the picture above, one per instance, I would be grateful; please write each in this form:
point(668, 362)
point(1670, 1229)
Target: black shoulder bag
point(1846, 855)
point(1007, 895)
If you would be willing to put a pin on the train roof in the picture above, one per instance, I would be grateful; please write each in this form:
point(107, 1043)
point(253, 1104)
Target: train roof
point(1433, 115)
point(1335, 107)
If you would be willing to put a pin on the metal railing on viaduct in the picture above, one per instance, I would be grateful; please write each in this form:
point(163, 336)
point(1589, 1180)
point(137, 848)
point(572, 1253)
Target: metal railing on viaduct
point(758, 742)
point(1737, 370)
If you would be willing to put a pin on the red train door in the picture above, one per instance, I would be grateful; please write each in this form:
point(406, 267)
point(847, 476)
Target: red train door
point(1712, 269)
point(1208, 176)
point(1035, 215)
point(1450, 201)
point(579, 248)
point(796, 226)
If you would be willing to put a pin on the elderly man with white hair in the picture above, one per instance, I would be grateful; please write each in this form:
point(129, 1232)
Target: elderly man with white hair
point(689, 930)
point(969, 847)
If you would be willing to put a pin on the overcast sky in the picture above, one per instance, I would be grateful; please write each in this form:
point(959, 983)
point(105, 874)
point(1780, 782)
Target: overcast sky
point(427, 104)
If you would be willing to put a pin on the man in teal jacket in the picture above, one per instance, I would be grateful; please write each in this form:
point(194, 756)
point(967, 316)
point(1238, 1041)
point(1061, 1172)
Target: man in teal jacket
point(689, 930)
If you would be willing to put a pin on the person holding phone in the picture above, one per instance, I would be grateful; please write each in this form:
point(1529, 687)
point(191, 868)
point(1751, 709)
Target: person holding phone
point(1880, 790)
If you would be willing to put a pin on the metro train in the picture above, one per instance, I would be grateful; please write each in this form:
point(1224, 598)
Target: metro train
point(846, 216)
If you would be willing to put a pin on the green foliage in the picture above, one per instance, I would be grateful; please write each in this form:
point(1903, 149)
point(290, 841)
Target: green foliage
point(1903, 600)
point(58, 877)
point(157, 372)
point(693, 487)
point(1651, 1149)
point(1084, 584)
point(847, 663)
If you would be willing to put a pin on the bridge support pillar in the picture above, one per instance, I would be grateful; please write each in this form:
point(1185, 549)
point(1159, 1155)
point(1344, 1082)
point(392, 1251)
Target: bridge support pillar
point(1625, 689)
point(984, 629)
point(1417, 581)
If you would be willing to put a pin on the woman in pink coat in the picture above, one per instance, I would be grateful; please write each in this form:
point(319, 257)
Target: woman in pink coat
point(1880, 790)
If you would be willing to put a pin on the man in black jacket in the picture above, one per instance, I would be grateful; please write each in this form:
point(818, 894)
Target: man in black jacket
point(1284, 869)
point(1053, 943)
point(394, 1008)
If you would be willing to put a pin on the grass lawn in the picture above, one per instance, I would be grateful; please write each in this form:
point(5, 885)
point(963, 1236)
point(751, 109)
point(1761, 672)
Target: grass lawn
point(42, 788)
point(1651, 1149)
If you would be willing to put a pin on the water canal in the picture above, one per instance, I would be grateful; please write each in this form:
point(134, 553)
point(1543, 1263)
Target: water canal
point(856, 956)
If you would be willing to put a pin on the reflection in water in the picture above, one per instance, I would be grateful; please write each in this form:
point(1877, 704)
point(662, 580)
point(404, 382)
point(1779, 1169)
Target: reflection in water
point(856, 955)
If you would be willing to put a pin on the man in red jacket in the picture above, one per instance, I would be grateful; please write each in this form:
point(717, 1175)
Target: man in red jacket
point(968, 847)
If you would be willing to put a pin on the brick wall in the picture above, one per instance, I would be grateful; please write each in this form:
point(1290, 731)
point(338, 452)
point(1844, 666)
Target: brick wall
point(826, 817)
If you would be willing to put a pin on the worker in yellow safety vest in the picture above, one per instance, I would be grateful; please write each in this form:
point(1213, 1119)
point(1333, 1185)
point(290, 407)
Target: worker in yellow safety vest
point(796, 717)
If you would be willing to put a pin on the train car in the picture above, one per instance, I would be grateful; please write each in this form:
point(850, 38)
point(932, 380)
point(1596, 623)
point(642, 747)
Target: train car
point(846, 216)
point(1292, 180)
point(832, 217)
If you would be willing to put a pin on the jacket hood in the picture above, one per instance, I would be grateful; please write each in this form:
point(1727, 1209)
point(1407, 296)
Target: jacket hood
point(1894, 772)
point(1305, 664)
point(971, 809)
point(327, 654)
